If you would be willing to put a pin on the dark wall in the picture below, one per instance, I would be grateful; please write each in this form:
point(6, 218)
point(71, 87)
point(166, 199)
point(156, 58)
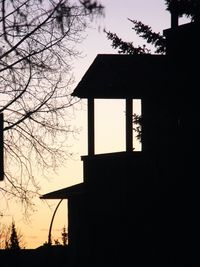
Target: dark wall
point(131, 212)
point(41, 257)
point(124, 213)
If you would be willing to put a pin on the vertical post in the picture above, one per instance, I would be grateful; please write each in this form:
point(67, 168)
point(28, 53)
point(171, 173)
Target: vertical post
point(147, 124)
point(129, 125)
point(1, 148)
point(91, 141)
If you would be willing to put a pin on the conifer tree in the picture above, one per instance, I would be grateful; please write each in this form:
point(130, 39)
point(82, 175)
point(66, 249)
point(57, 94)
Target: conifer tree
point(13, 243)
point(179, 8)
point(64, 236)
point(188, 8)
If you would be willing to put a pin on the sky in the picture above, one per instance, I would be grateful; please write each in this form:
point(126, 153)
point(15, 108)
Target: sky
point(150, 12)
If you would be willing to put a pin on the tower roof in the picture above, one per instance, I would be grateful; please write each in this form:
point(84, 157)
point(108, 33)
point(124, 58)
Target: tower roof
point(122, 76)
point(65, 193)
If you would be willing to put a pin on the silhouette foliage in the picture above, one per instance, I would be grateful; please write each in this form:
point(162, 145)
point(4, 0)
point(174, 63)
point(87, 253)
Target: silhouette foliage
point(189, 8)
point(37, 45)
point(14, 241)
point(64, 236)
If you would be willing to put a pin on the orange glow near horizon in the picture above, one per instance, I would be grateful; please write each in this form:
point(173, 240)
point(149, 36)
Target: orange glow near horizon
point(110, 137)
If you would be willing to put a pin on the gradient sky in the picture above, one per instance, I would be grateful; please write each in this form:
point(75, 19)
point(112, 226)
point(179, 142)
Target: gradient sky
point(150, 12)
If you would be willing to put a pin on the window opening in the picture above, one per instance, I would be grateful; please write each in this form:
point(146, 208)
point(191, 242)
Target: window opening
point(109, 125)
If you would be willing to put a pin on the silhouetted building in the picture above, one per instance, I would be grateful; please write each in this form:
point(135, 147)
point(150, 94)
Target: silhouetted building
point(141, 207)
point(43, 256)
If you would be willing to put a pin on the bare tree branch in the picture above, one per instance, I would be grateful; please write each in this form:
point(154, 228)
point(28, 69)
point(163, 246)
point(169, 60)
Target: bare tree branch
point(37, 48)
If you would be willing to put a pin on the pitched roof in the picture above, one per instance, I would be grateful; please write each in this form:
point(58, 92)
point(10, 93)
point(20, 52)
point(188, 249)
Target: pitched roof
point(65, 193)
point(121, 76)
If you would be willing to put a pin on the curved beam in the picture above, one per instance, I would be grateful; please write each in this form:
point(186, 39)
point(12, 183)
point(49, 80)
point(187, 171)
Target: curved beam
point(52, 219)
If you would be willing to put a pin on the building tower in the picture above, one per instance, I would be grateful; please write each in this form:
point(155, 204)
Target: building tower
point(139, 207)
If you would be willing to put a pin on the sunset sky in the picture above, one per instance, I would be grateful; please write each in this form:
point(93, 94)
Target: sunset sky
point(150, 12)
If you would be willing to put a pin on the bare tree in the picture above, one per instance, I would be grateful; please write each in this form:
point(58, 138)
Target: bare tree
point(37, 45)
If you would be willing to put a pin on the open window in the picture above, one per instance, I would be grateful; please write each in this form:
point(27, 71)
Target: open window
point(110, 125)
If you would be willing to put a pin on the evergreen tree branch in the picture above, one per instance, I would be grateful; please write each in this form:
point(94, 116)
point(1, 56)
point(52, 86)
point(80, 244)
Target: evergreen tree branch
point(189, 8)
point(125, 47)
point(145, 31)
